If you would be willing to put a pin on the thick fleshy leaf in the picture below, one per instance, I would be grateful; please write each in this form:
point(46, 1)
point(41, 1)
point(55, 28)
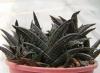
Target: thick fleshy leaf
point(55, 20)
point(15, 35)
point(25, 61)
point(85, 27)
point(8, 41)
point(96, 53)
point(32, 55)
point(75, 20)
point(57, 34)
point(87, 31)
point(86, 42)
point(66, 57)
point(7, 52)
point(31, 37)
point(83, 56)
point(60, 60)
point(36, 20)
point(54, 27)
point(62, 19)
point(11, 48)
point(96, 44)
point(16, 23)
point(38, 32)
point(72, 28)
point(79, 50)
point(9, 38)
point(57, 48)
point(78, 42)
point(38, 50)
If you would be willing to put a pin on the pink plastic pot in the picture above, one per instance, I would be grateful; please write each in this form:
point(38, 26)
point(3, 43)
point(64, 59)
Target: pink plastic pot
point(15, 68)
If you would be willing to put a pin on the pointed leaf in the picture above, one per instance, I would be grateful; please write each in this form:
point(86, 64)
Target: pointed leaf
point(55, 20)
point(96, 53)
point(96, 44)
point(31, 37)
point(57, 34)
point(7, 52)
point(75, 20)
point(16, 23)
point(62, 19)
point(57, 48)
point(87, 31)
point(83, 56)
point(38, 32)
point(36, 20)
point(85, 27)
point(9, 37)
point(38, 50)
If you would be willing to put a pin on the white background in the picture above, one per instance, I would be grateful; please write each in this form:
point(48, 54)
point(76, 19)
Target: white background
point(10, 10)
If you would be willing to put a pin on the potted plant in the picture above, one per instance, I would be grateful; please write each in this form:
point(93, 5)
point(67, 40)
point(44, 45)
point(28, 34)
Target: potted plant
point(64, 49)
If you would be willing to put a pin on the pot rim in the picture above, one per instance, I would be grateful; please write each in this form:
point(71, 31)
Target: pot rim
point(50, 69)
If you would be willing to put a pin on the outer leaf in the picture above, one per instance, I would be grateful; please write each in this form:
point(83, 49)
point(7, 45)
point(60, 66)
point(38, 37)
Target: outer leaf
point(60, 60)
point(7, 52)
point(79, 50)
point(86, 43)
point(85, 27)
point(15, 35)
point(77, 42)
point(8, 41)
point(11, 48)
point(96, 44)
point(87, 31)
point(10, 37)
point(96, 53)
point(74, 51)
point(31, 37)
point(83, 56)
point(38, 50)
point(66, 57)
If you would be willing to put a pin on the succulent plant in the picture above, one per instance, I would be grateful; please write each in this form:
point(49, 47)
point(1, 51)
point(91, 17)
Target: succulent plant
point(65, 45)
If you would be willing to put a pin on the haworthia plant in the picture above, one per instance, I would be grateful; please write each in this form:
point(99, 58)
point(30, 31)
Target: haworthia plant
point(65, 45)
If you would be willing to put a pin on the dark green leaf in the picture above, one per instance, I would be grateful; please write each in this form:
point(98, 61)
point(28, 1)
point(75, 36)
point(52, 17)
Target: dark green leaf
point(87, 31)
point(38, 50)
point(38, 32)
point(7, 52)
point(36, 20)
point(16, 23)
point(55, 20)
point(75, 20)
point(9, 38)
point(62, 19)
point(83, 56)
point(85, 27)
point(57, 34)
point(40, 64)
point(31, 37)
point(96, 53)
point(57, 48)
point(96, 44)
